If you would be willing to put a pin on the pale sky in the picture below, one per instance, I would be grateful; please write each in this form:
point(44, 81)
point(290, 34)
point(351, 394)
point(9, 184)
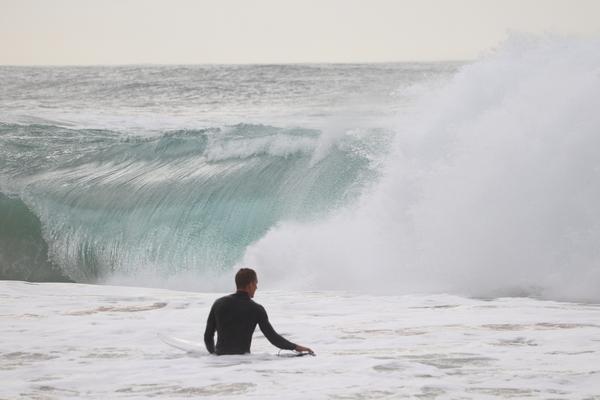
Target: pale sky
point(83, 32)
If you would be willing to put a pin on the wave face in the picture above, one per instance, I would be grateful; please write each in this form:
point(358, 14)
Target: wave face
point(185, 202)
point(492, 189)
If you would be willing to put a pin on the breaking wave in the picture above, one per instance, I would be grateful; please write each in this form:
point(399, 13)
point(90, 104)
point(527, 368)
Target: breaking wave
point(492, 189)
point(145, 209)
point(488, 186)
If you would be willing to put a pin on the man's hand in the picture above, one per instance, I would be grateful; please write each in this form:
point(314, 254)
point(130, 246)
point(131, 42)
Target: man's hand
point(302, 349)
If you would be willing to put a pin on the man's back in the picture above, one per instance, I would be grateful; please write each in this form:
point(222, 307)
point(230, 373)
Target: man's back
point(234, 318)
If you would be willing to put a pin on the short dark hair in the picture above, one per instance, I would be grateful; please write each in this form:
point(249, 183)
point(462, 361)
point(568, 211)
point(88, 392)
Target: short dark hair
point(244, 277)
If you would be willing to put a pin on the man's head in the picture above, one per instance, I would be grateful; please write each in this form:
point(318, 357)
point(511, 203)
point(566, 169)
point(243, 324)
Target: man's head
point(246, 280)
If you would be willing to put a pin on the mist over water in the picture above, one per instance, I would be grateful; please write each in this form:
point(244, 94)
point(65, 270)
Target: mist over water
point(492, 189)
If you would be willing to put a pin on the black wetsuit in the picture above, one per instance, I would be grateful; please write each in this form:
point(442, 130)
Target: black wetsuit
point(234, 317)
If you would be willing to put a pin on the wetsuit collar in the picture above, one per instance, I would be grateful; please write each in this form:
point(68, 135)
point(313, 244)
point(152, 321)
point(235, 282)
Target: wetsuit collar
point(242, 293)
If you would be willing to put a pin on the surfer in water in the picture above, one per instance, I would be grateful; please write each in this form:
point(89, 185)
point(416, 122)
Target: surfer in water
point(234, 318)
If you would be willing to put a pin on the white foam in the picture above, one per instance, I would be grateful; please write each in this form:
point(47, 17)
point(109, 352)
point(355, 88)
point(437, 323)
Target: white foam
point(99, 342)
point(493, 189)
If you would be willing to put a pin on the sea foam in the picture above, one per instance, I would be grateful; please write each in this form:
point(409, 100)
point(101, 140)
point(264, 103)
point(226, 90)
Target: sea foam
point(493, 189)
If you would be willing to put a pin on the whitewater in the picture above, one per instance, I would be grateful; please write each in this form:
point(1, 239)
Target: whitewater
point(430, 229)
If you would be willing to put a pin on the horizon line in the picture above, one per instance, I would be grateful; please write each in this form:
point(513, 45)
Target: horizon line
point(152, 64)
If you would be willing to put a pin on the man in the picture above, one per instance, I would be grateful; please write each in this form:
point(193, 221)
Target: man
point(234, 317)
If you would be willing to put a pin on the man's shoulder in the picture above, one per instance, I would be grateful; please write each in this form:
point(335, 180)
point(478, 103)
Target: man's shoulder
point(259, 307)
point(232, 298)
point(249, 301)
point(235, 297)
point(255, 303)
point(224, 299)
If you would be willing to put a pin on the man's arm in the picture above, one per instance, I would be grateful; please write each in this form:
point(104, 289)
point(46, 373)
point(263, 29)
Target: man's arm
point(209, 333)
point(275, 339)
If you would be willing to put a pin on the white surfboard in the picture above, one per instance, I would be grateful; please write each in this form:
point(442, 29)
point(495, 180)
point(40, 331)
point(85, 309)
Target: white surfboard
point(184, 345)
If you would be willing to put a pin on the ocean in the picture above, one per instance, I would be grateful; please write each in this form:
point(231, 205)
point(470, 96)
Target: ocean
point(477, 179)
point(431, 230)
point(143, 174)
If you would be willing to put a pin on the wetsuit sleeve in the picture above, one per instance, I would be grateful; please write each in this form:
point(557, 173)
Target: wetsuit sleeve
point(266, 328)
point(209, 333)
